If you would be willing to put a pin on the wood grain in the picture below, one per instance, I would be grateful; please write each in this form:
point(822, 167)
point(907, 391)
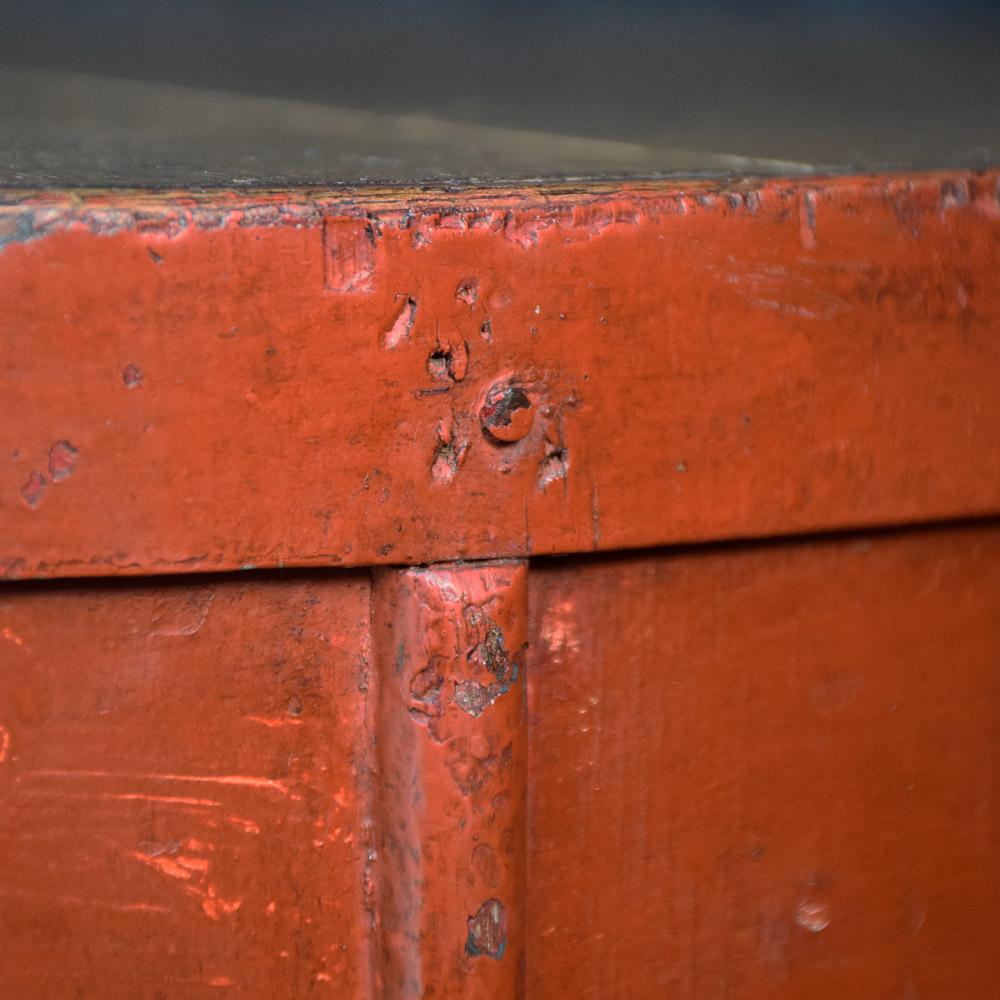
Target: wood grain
point(767, 771)
point(296, 379)
point(184, 789)
point(452, 761)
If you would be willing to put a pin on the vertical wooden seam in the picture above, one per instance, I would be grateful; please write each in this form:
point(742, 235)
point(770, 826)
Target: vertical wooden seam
point(451, 748)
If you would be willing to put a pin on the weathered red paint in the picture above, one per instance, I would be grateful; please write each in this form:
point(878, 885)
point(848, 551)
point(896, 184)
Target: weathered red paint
point(185, 788)
point(755, 770)
point(767, 771)
point(294, 378)
point(452, 769)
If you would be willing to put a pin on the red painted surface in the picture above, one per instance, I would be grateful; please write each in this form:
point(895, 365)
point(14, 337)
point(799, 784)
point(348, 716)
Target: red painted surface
point(182, 780)
point(452, 771)
point(296, 378)
point(761, 770)
point(768, 771)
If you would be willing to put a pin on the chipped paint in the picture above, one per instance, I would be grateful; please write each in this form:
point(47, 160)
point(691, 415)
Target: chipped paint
point(553, 467)
point(33, 489)
point(452, 760)
point(452, 448)
point(351, 231)
point(488, 931)
point(650, 304)
point(62, 460)
point(812, 915)
point(348, 244)
point(399, 331)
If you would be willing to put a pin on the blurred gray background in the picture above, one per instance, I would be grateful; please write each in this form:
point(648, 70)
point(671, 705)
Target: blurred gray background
point(836, 85)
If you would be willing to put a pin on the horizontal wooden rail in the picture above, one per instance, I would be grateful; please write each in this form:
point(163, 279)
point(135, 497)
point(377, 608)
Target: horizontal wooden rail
point(216, 381)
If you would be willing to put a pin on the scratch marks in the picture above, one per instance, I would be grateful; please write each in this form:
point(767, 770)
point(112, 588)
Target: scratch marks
point(784, 307)
point(786, 291)
point(214, 906)
point(237, 780)
point(181, 867)
point(69, 900)
point(185, 861)
point(194, 871)
point(242, 823)
point(273, 723)
point(170, 800)
point(183, 803)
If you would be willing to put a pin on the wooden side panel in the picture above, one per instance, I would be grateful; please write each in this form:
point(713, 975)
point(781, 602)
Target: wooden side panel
point(182, 805)
point(225, 380)
point(768, 772)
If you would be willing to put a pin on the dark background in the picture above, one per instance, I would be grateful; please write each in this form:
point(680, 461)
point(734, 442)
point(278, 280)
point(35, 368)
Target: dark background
point(845, 84)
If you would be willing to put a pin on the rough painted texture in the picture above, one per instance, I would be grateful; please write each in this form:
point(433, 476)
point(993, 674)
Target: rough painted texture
point(183, 789)
point(298, 379)
point(450, 822)
point(768, 771)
